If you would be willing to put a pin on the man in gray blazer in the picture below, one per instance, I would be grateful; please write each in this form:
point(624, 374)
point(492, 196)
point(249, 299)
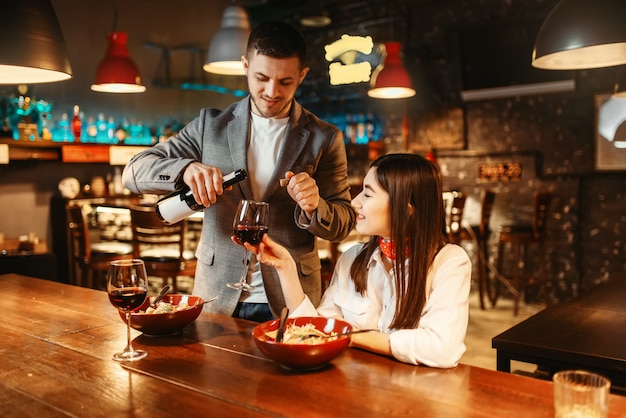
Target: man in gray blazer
point(271, 136)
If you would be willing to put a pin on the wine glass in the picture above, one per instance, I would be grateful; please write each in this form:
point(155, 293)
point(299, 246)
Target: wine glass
point(251, 222)
point(127, 286)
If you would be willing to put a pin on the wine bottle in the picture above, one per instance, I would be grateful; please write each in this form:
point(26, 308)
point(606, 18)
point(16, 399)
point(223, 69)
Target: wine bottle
point(177, 206)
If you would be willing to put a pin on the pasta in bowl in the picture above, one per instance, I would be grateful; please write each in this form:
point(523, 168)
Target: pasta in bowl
point(308, 342)
point(171, 315)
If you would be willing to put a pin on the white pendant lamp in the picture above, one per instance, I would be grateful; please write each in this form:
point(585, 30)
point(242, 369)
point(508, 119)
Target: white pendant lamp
point(229, 43)
point(33, 49)
point(582, 34)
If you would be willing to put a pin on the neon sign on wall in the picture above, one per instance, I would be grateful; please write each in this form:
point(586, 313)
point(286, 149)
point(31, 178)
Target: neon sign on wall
point(347, 70)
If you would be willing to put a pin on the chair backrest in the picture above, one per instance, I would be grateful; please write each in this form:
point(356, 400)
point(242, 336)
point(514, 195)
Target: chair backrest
point(542, 204)
point(149, 231)
point(454, 209)
point(455, 216)
point(78, 235)
point(489, 198)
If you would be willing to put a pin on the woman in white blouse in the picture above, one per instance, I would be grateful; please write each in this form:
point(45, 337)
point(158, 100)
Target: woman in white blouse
point(418, 302)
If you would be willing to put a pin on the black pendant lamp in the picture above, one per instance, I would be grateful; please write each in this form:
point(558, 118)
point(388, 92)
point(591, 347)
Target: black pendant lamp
point(33, 49)
point(582, 34)
point(316, 16)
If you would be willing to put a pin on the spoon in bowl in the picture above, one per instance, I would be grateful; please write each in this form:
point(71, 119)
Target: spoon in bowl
point(281, 324)
point(160, 296)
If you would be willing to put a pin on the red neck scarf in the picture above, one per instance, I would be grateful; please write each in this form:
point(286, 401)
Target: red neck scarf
point(387, 247)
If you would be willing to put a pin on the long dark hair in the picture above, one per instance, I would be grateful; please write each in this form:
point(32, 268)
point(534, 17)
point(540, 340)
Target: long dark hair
point(412, 182)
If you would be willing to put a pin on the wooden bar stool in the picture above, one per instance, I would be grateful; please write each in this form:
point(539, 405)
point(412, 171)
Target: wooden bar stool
point(519, 237)
point(479, 235)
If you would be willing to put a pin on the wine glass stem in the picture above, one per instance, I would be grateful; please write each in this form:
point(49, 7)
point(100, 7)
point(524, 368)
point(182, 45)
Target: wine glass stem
point(129, 345)
point(246, 265)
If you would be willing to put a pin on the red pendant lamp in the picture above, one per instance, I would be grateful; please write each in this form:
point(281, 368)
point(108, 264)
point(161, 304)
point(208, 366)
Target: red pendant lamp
point(392, 81)
point(117, 73)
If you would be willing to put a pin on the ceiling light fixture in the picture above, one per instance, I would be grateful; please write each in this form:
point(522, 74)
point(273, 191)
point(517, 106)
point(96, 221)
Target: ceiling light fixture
point(117, 72)
point(33, 49)
point(229, 43)
point(317, 17)
point(582, 34)
point(392, 81)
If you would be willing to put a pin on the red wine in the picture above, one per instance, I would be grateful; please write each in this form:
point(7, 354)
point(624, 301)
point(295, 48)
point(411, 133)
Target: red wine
point(249, 234)
point(128, 298)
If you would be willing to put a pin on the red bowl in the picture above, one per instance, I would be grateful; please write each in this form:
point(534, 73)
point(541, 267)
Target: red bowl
point(168, 323)
point(302, 356)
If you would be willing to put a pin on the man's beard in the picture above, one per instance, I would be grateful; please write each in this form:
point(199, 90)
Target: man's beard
point(265, 114)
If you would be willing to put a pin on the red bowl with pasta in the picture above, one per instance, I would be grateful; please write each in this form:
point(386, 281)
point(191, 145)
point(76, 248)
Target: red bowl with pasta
point(305, 344)
point(164, 323)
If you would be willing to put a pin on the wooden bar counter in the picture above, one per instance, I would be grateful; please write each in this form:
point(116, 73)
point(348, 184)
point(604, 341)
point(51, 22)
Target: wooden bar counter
point(57, 343)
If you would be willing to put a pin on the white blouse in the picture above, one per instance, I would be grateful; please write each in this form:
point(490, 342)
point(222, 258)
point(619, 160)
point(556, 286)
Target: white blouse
point(438, 341)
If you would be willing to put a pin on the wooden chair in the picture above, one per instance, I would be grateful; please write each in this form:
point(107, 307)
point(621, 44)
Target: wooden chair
point(162, 247)
point(479, 235)
point(454, 225)
point(89, 260)
point(520, 237)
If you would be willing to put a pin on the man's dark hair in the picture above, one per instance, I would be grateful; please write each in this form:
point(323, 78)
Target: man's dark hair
point(277, 40)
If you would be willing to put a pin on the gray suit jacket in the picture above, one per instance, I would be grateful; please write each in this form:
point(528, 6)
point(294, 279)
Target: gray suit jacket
point(219, 138)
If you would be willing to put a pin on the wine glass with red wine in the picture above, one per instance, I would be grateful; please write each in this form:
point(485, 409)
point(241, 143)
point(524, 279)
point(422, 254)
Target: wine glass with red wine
point(251, 222)
point(127, 286)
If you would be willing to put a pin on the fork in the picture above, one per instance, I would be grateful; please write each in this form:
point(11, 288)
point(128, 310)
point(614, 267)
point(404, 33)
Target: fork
point(338, 335)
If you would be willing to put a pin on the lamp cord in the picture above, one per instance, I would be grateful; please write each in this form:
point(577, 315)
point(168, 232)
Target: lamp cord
point(114, 16)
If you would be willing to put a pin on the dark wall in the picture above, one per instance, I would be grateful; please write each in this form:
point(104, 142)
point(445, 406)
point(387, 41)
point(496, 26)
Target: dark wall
point(586, 233)
point(586, 224)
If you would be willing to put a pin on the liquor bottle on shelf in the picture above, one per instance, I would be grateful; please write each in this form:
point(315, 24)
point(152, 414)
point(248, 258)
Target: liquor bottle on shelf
point(350, 130)
point(91, 130)
point(65, 129)
point(77, 124)
point(102, 136)
point(360, 133)
point(111, 126)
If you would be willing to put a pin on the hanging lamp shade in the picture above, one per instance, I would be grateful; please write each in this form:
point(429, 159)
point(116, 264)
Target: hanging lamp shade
point(582, 34)
point(33, 49)
point(117, 73)
point(229, 43)
point(392, 81)
point(316, 16)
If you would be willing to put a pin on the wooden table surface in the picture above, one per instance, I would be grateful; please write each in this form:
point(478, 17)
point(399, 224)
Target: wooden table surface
point(57, 342)
point(587, 332)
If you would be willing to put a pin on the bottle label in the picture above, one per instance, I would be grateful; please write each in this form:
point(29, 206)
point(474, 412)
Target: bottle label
point(173, 209)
